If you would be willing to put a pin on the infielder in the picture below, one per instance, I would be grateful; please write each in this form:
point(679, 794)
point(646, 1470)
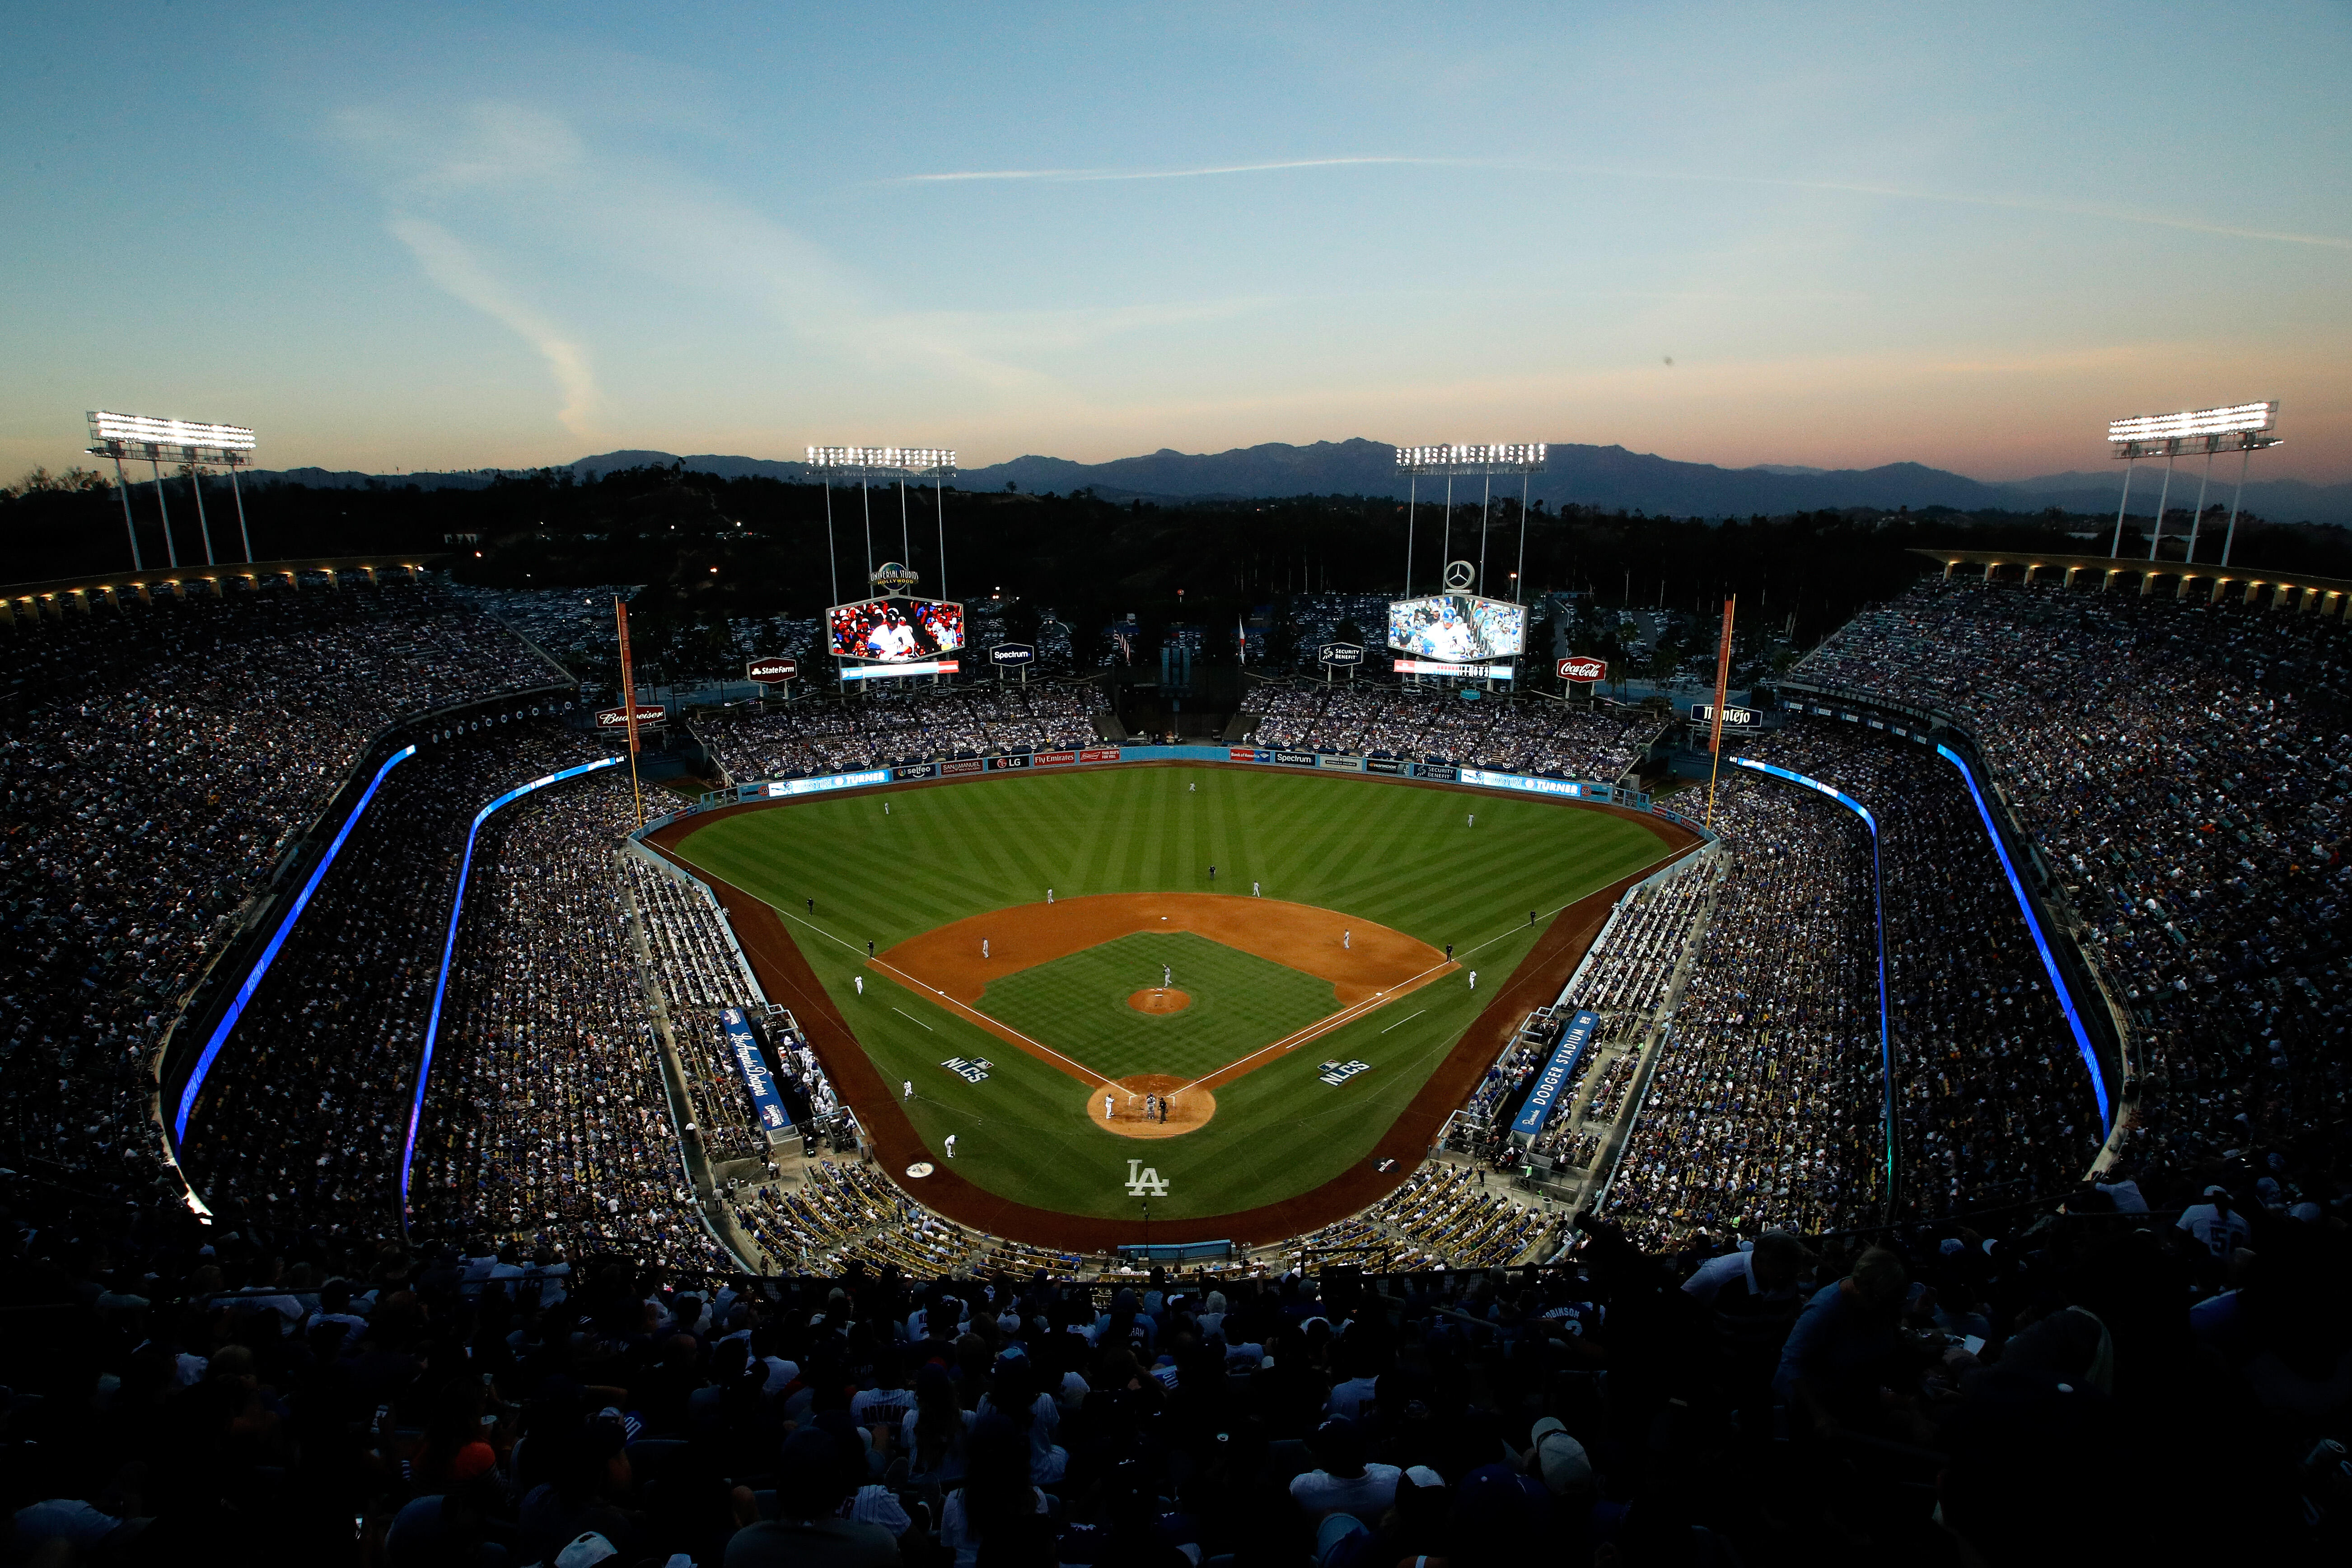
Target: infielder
point(1347, 941)
point(951, 1145)
point(1167, 977)
point(859, 980)
point(1106, 1108)
point(983, 947)
point(1474, 980)
point(1049, 895)
point(909, 1093)
point(1254, 890)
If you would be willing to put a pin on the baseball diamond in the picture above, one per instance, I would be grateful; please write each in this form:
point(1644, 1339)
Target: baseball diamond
point(1365, 884)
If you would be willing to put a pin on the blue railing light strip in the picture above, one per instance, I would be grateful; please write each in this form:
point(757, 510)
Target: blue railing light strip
point(1878, 903)
point(261, 965)
point(449, 948)
point(2033, 925)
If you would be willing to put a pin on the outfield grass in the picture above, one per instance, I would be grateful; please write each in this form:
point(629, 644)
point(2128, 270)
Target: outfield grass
point(1402, 856)
point(1078, 1004)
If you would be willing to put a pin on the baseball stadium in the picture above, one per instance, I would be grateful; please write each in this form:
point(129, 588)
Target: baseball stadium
point(1044, 1002)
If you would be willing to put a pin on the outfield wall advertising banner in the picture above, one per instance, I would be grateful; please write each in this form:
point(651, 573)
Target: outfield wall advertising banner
point(1438, 770)
point(757, 1079)
point(827, 781)
point(997, 764)
point(960, 767)
point(1054, 759)
point(1296, 759)
point(1389, 765)
point(1245, 755)
point(1345, 765)
point(1489, 778)
point(1558, 1074)
point(916, 771)
point(1098, 753)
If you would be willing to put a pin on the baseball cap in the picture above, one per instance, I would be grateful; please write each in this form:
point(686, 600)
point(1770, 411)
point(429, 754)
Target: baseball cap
point(1561, 1458)
point(2217, 1190)
point(586, 1551)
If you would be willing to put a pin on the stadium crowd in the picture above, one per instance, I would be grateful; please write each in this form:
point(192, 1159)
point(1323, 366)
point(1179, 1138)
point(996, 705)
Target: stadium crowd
point(1763, 1110)
point(158, 759)
point(1525, 736)
point(2181, 768)
point(2019, 1390)
point(826, 736)
point(1994, 1100)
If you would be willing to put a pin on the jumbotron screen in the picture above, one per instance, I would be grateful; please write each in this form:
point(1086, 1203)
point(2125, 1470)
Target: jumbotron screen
point(896, 630)
point(1459, 628)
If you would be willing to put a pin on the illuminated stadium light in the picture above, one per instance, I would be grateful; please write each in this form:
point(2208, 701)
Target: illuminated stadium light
point(1476, 457)
point(171, 436)
point(161, 441)
point(2244, 428)
point(924, 460)
point(933, 463)
point(1449, 459)
point(2239, 419)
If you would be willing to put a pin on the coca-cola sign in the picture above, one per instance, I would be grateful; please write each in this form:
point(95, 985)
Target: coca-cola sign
point(773, 669)
point(1583, 667)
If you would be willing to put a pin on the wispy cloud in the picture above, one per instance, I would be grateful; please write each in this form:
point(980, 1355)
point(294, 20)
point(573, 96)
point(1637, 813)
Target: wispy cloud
point(454, 268)
point(1086, 176)
point(1847, 187)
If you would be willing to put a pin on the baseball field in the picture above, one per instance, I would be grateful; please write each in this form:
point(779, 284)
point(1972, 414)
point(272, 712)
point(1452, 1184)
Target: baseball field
point(1220, 990)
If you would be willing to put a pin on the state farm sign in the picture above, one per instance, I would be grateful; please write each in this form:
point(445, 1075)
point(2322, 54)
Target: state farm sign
point(1583, 668)
point(773, 670)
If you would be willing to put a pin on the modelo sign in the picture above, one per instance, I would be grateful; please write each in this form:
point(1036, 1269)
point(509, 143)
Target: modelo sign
point(773, 671)
point(1582, 667)
point(1341, 653)
point(1008, 654)
point(618, 718)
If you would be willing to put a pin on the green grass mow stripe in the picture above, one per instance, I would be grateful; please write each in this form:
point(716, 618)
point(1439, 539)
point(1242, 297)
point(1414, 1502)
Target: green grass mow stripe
point(1078, 1004)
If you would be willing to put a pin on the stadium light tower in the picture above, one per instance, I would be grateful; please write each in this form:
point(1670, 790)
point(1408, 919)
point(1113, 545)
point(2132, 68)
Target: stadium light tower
point(1521, 457)
point(903, 463)
point(2244, 427)
point(183, 441)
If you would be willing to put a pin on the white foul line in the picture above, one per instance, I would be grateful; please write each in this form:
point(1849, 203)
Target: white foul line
point(911, 1018)
point(1408, 1018)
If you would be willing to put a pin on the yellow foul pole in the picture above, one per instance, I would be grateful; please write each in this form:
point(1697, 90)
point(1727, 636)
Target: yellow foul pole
point(629, 704)
point(1722, 689)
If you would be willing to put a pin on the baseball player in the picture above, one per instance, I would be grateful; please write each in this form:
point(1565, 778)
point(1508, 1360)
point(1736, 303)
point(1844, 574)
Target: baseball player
point(886, 808)
point(1348, 941)
point(1254, 893)
point(1474, 980)
point(909, 1090)
point(859, 980)
point(1106, 1108)
point(1473, 820)
point(951, 1145)
point(1191, 788)
point(1167, 977)
point(983, 947)
point(1049, 895)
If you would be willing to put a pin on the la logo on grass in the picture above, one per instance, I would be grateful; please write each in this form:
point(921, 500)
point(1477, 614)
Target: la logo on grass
point(1143, 1181)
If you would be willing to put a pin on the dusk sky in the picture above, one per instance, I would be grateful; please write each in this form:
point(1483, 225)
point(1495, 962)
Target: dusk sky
point(430, 237)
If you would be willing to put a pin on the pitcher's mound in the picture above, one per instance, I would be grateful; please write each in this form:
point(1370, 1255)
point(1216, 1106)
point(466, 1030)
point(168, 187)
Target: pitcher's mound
point(1160, 999)
point(1187, 1108)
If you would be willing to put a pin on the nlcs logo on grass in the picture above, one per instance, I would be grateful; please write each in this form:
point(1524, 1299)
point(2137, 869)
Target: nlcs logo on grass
point(1144, 1181)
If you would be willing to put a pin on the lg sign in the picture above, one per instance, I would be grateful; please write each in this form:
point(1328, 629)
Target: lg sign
point(1583, 668)
point(776, 669)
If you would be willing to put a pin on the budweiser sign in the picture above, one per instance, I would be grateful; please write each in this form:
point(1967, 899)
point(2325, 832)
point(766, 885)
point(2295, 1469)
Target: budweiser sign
point(773, 670)
point(618, 718)
point(1582, 667)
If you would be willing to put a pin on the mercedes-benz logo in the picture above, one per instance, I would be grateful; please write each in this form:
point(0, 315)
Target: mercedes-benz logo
point(1460, 575)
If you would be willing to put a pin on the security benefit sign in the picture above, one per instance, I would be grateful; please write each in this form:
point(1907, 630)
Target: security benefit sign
point(758, 1081)
point(973, 1071)
point(1337, 1073)
point(1558, 1074)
